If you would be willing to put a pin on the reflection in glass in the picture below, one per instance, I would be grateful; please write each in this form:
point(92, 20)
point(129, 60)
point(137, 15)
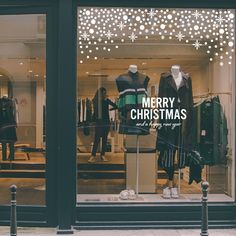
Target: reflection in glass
point(22, 107)
point(187, 54)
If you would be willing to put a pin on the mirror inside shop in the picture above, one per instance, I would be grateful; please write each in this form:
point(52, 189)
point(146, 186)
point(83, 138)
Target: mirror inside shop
point(155, 104)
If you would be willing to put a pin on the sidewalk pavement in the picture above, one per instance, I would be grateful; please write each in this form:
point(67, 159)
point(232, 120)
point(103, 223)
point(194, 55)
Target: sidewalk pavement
point(27, 231)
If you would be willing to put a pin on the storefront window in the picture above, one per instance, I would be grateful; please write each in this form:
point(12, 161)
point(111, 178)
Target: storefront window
point(155, 104)
point(22, 107)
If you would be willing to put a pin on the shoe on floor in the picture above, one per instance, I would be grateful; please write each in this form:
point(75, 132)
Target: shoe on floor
point(174, 193)
point(132, 195)
point(166, 193)
point(124, 194)
point(92, 159)
point(103, 158)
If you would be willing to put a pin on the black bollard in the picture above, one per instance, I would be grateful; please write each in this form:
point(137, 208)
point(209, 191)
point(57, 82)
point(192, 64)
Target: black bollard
point(13, 224)
point(204, 227)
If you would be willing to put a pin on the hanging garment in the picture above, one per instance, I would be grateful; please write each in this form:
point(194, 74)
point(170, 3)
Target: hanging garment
point(132, 88)
point(211, 132)
point(88, 110)
point(7, 121)
point(195, 163)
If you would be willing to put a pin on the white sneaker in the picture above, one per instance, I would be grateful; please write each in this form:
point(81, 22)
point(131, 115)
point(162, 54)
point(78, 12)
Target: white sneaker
point(124, 194)
point(92, 159)
point(103, 158)
point(174, 193)
point(132, 195)
point(166, 193)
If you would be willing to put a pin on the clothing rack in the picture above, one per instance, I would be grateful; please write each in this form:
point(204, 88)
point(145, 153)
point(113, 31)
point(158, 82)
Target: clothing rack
point(210, 94)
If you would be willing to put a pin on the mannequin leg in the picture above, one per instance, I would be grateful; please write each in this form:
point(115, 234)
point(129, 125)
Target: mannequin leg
point(170, 173)
point(96, 140)
point(12, 151)
point(4, 151)
point(104, 140)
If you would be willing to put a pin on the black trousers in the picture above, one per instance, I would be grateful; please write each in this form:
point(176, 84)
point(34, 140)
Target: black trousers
point(101, 132)
point(11, 149)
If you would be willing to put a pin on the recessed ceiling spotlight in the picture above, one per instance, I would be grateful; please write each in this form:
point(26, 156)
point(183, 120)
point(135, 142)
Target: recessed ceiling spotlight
point(21, 63)
point(1, 75)
point(30, 71)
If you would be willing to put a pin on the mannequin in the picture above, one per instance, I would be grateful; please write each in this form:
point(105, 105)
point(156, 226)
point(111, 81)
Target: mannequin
point(174, 143)
point(133, 68)
point(7, 126)
point(101, 104)
point(132, 87)
point(175, 71)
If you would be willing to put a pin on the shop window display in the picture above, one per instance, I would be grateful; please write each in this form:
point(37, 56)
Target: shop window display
point(171, 74)
point(22, 107)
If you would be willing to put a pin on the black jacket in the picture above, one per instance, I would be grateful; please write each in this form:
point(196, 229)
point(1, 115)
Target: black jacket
point(167, 137)
point(210, 131)
point(101, 111)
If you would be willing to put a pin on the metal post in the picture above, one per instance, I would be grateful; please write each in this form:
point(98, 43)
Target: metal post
point(179, 181)
point(204, 227)
point(137, 167)
point(13, 224)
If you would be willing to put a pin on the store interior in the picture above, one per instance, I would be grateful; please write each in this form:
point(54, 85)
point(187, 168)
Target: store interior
point(99, 65)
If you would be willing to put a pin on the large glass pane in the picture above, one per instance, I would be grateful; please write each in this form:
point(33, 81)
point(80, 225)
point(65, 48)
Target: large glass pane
point(22, 107)
point(169, 74)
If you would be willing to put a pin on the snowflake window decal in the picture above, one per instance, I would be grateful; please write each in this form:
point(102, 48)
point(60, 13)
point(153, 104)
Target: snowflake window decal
point(211, 31)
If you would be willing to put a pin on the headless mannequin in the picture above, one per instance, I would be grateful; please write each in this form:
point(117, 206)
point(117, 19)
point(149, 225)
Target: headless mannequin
point(177, 76)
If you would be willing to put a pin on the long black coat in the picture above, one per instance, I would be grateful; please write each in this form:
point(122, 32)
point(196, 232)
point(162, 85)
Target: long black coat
point(7, 121)
point(180, 137)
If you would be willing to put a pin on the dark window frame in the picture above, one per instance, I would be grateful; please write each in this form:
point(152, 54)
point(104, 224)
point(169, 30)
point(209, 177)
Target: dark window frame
point(61, 208)
point(41, 215)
